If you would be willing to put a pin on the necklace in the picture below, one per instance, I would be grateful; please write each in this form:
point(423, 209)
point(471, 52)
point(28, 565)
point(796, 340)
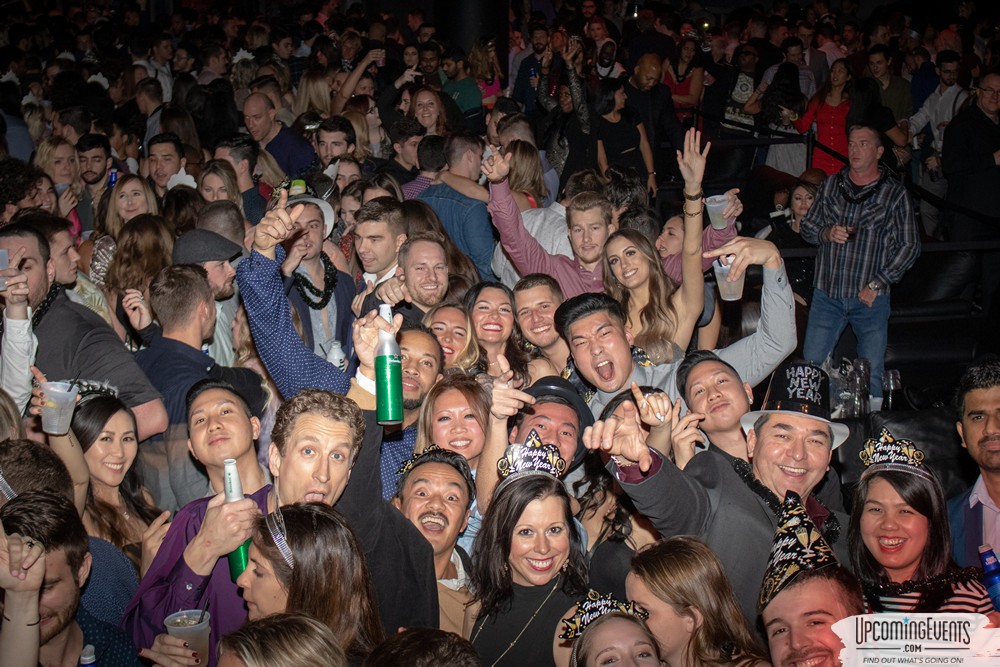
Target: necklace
point(526, 625)
point(307, 290)
point(43, 307)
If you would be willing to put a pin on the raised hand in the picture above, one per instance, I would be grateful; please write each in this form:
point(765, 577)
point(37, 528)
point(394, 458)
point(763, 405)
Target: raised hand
point(226, 526)
point(276, 226)
point(68, 201)
point(22, 562)
point(507, 399)
point(746, 251)
point(654, 409)
point(684, 435)
point(16, 287)
point(497, 166)
point(139, 313)
point(366, 338)
point(621, 437)
point(152, 538)
point(734, 207)
point(692, 161)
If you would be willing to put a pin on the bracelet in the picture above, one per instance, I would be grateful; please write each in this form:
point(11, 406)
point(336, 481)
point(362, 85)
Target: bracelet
point(697, 197)
point(689, 214)
point(621, 463)
point(27, 624)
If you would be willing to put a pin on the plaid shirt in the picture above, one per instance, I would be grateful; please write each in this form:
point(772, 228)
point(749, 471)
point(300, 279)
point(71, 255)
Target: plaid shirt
point(884, 246)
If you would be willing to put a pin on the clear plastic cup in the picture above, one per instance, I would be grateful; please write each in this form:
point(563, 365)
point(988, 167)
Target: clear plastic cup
point(728, 291)
point(184, 625)
point(57, 412)
point(715, 206)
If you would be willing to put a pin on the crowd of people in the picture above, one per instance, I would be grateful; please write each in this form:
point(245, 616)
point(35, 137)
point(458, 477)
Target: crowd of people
point(214, 221)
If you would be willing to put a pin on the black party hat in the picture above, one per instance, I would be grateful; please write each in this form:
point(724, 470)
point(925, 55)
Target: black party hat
point(798, 546)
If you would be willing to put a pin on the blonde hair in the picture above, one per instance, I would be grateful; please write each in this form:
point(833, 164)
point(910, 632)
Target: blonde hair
point(526, 170)
point(242, 73)
point(468, 356)
point(46, 154)
point(313, 94)
point(284, 640)
point(34, 118)
point(258, 36)
point(224, 171)
point(269, 170)
point(362, 145)
point(114, 222)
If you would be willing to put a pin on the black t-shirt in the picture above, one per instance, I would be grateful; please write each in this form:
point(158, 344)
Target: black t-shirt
point(621, 140)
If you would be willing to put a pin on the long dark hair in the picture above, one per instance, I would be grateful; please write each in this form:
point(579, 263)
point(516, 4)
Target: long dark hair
point(926, 497)
point(866, 98)
point(784, 91)
point(330, 580)
point(490, 581)
point(89, 420)
point(514, 349)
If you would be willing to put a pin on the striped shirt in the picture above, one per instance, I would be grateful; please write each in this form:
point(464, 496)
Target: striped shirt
point(884, 246)
point(967, 597)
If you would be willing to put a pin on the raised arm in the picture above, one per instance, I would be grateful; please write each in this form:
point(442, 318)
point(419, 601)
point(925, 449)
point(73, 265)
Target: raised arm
point(505, 402)
point(21, 583)
point(347, 90)
point(17, 351)
point(689, 299)
point(291, 364)
point(674, 502)
point(756, 356)
point(526, 253)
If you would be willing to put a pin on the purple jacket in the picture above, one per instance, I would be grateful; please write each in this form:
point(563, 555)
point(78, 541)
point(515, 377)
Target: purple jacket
point(171, 586)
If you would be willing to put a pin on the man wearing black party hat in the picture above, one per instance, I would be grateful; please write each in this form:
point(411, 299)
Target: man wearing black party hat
point(733, 505)
point(805, 591)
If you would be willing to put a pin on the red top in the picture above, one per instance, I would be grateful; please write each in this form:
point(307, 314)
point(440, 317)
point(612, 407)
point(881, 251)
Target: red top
point(831, 130)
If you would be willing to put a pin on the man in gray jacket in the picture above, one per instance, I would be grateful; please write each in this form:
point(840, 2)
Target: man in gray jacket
point(732, 505)
point(594, 326)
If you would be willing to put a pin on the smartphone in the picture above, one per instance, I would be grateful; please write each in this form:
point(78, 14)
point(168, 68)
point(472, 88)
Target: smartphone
point(4, 261)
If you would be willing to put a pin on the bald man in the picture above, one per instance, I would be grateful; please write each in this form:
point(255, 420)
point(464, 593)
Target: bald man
point(291, 151)
point(654, 104)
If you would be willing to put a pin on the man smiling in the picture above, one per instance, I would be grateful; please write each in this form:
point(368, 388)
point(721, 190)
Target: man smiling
point(600, 342)
point(789, 442)
point(436, 494)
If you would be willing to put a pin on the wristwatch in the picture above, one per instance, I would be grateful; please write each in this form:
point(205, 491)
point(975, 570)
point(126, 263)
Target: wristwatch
point(875, 286)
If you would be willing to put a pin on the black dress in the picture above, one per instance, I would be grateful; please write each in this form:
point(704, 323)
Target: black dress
point(492, 635)
point(621, 141)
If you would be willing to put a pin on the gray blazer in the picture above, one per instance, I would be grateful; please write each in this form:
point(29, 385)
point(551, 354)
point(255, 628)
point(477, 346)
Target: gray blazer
point(709, 500)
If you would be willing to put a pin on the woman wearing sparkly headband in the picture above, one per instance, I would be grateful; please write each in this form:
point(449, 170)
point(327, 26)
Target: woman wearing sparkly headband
point(899, 537)
point(617, 638)
point(528, 573)
point(305, 558)
point(118, 508)
point(693, 613)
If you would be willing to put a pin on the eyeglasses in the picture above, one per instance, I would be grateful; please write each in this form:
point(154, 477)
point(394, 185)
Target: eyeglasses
point(991, 92)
